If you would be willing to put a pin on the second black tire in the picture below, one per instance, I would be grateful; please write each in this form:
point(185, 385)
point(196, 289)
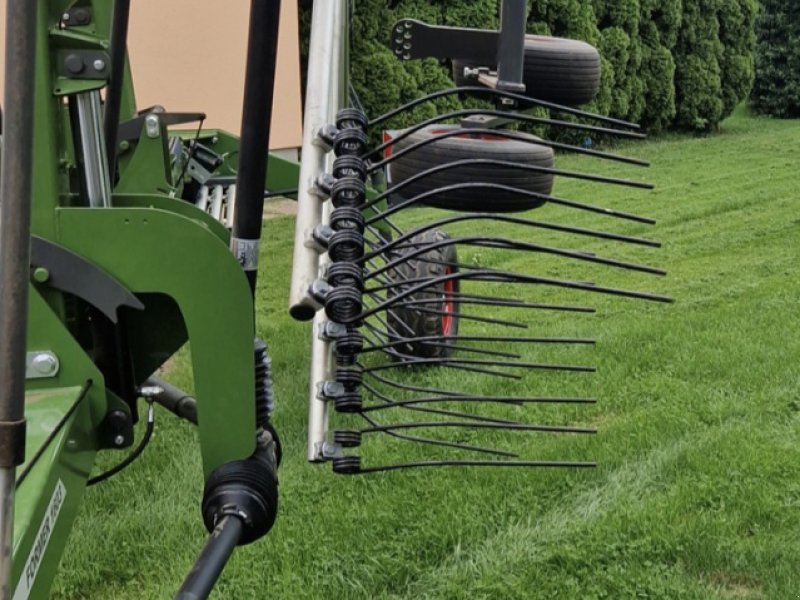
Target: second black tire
point(557, 70)
point(524, 151)
point(432, 312)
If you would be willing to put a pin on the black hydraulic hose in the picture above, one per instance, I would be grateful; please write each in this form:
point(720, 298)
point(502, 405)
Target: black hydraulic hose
point(119, 50)
point(15, 209)
point(212, 560)
point(262, 53)
point(137, 452)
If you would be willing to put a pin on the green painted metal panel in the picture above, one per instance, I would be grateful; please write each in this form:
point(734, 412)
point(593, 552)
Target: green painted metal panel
point(156, 251)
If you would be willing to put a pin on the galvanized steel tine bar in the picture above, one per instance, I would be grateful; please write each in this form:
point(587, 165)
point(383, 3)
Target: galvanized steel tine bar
point(326, 94)
point(325, 72)
point(16, 176)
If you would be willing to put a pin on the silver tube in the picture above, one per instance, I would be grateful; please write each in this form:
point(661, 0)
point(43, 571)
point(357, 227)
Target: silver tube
point(322, 361)
point(323, 69)
point(93, 148)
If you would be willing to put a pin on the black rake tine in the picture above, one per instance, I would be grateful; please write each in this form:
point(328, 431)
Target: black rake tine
point(513, 165)
point(406, 236)
point(440, 411)
point(479, 399)
point(419, 199)
point(412, 388)
point(458, 424)
point(432, 342)
point(472, 463)
point(489, 300)
point(505, 277)
point(461, 316)
point(501, 244)
point(520, 340)
point(443, 443)
point(469, 112)
point(460, 299)
point(503, 94)
point(408, 361)
point(509, 135)
point(456, 362)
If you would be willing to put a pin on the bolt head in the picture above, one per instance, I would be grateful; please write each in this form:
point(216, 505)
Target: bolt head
point(41, 275)
point(152, 126)
point(119, 440)
point(45, 364)
point(99, 64)
point(74, 64)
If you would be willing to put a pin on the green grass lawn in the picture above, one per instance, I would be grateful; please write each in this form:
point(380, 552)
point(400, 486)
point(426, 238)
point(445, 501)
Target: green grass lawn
point(697, 490)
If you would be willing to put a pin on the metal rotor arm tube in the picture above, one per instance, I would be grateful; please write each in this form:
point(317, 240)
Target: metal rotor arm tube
point(322, 360)
point(324, 68)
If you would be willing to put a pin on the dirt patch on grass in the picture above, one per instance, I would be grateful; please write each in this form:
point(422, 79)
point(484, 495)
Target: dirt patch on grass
point(279, 207)
point(734, 585)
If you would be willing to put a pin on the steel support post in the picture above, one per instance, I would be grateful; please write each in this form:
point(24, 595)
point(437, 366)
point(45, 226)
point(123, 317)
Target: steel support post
point(16, 176)
point(262, 53)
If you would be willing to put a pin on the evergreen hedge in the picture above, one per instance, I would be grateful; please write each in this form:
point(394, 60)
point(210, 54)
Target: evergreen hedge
point(777, 86)
point(669, 64)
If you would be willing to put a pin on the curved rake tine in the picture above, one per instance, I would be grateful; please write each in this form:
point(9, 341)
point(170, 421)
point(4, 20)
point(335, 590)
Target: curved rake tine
point(348, 469)
point(457, 362)
point(440, 411)
point(435, 342)
point(502, 94)
point(406, 236)
point(477, 400)
point(504, 277)
point(529, 340)
point(443, 443)
point(469, 112)
point(508, 135)
point(481, 300)
point(499, 243)
point(461, 299)
point(461, 316)
point(462, 425)
point(412, 388)
point(489, 187)
point(514, 165)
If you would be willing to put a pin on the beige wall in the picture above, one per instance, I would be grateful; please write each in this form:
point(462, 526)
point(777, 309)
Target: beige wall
point(189, 55)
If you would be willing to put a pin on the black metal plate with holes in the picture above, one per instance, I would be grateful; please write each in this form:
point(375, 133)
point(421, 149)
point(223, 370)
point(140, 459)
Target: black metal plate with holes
point(83, 64)
point(73, 274)
point(414, 39)
point(132, 129)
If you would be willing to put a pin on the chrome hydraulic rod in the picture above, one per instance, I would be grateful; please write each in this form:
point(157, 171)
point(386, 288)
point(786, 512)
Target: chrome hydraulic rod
point(324, 69)
point(93, 149)
point(322, 361)
point(16, 177)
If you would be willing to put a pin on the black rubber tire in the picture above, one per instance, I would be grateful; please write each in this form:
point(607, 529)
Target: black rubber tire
point(558, 70)
point(460, 147)
point(416, 321)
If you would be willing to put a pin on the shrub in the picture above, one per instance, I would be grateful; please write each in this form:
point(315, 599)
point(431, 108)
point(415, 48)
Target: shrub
point(777, 82)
